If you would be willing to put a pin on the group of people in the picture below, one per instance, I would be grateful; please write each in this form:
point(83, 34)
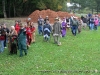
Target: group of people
point(60, 26)
point(92, 21)
point(19, 37)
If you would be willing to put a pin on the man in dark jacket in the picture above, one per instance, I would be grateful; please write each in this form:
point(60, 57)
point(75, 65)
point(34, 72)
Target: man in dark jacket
point(74, 26)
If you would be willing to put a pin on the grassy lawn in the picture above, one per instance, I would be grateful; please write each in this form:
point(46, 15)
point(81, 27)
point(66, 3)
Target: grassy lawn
point(78, 55)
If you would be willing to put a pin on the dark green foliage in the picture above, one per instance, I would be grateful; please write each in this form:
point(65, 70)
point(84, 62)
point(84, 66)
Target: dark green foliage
point(15, 8)
point(91, 4)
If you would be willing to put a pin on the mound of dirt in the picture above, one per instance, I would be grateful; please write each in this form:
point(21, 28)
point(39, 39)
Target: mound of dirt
point(50, 13)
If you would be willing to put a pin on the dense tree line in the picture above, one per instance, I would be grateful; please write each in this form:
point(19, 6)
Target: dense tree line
point(15, 8)
point(93, 5)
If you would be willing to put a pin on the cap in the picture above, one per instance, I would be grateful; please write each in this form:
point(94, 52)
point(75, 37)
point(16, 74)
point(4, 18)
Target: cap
point(29, 19)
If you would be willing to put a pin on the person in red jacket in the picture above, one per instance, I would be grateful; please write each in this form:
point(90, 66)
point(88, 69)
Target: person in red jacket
point(29, 34)
point(17, 27)
point(2, 39)
point(33, 29)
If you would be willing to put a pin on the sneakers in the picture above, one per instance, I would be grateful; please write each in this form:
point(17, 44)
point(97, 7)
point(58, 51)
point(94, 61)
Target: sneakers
point(59, 44)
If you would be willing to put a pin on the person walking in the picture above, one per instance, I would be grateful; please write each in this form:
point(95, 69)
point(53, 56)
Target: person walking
point(64, 26)
point(57, 31)
point(74, 26)
point(12, 44)
point(22, 40)
point(40, 25)
point(2, 39)
point(47, 30)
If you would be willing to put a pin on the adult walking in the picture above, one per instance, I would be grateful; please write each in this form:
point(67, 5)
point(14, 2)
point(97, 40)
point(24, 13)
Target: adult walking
point(74, 26)
point(64, 26)
point(22, 40)
point(40, 25)
point(57, 31)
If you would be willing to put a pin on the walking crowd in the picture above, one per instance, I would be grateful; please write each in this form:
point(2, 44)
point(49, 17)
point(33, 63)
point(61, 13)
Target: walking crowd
point(21, 36)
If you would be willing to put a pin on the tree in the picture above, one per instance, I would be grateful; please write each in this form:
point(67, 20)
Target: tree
point(41, 5)
point(4, 10)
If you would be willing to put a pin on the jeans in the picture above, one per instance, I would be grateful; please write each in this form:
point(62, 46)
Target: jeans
point(1, 46)
point(40, 29)
point(74, 30)
point(91, 26)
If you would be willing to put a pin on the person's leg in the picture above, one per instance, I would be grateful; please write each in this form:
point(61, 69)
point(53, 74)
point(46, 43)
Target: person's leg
point(15, 49)
point(41, 29)
point(2, 45)
point(24, 47)
point(96, 27)
point(73, 30)
point(58, 41)
point(20, 48)
point(55, 39)
point(34, 37)
point(5, 41)
point(76, 30)
point(38, 29)
point(92, 26)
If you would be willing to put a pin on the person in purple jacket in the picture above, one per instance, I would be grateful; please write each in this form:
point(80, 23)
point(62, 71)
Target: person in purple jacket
point(64, 25)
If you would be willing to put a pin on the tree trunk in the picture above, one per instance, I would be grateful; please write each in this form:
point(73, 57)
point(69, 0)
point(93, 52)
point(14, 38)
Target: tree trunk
point(97, 8)
point(4, 10)
point(14, 9)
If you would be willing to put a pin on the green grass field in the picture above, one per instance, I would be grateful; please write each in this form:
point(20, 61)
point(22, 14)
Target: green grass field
point(78, 55)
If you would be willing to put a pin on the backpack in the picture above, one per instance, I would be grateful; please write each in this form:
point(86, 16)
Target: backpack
point(74, 22)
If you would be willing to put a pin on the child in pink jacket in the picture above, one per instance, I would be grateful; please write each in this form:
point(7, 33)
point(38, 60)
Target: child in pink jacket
point(96, 23)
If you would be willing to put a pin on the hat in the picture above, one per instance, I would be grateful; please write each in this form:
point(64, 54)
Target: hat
point(57, 18)
point(29, 19)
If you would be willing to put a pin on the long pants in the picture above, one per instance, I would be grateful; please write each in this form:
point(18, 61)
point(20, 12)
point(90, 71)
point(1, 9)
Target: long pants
point(91, 26)
point(1, 46)
point(95, 27)
point(74, 30)
point(5, 41)
point(33, 37)
point(40, 29)
point(57, 39)
point(13, 48)
point(22, 45)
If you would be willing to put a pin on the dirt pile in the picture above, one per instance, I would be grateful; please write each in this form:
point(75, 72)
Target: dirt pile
point(51, 14)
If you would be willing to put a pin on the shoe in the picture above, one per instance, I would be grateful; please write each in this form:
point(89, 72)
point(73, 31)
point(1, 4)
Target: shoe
point(25, 53)
point(59, 44)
